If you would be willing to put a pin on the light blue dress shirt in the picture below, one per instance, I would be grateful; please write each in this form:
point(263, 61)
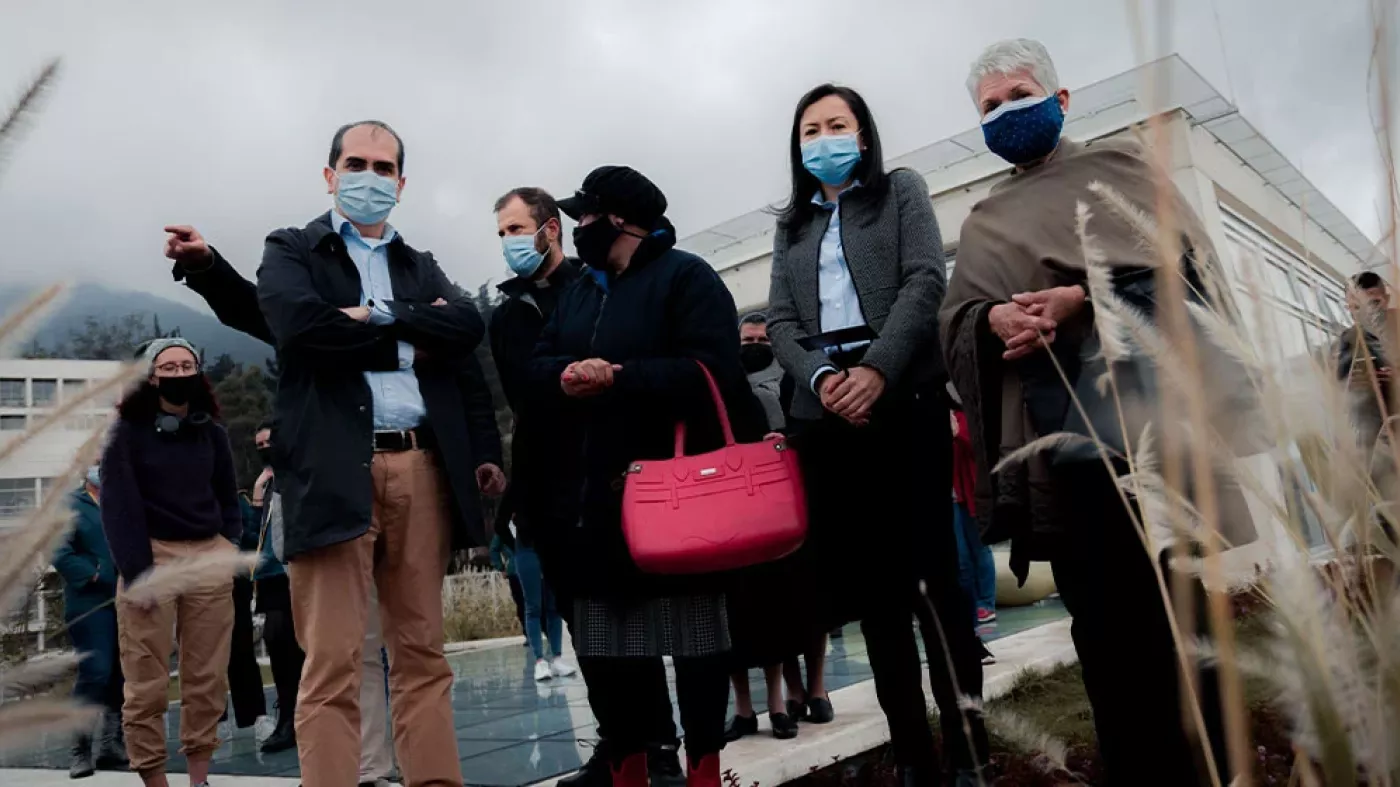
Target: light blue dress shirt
point(398, 404)
point(836, 290)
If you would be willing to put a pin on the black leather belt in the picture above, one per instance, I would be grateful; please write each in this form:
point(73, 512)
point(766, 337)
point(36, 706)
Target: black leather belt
point(420, 439)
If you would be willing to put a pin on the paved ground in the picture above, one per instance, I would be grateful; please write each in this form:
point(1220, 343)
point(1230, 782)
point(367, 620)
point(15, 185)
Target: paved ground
point(512, 731)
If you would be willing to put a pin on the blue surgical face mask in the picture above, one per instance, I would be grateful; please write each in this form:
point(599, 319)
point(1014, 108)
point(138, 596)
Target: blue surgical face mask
point(521, 255)
point(94, 476)
point(1024, 130)
point(831, 157)
point(364, 197)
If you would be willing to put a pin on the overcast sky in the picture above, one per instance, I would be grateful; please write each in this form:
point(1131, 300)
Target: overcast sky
point(219, 114)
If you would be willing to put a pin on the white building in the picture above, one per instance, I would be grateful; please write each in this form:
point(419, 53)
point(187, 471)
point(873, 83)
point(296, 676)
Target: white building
point(1249, 196)
point(29, 392)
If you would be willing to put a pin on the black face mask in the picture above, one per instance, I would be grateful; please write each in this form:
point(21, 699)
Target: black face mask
point(756, 357)
point(265, 456)
point(594, 241)
point(179, 390)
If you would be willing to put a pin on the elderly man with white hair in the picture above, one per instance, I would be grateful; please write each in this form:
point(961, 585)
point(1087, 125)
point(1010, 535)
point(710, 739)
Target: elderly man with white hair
point(1018, 313)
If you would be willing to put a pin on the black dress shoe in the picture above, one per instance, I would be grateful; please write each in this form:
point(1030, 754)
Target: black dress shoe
point(664, 766)
point(797, 711)
point(740, 727)
point(284, 737)
point(819, 710)
point(597, 772)
point(784, 728)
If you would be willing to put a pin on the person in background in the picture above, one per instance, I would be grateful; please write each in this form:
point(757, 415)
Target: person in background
point(1016, 309)
point(545, 481)
point(89, 585)
point(264, 532)
point(765, 632)
point(629, 372)
point(540, 613)
point(976, 569)
point(168, 494)
point(503, 560)
point(857, 274)
point(245, 684)
point(1364, 355)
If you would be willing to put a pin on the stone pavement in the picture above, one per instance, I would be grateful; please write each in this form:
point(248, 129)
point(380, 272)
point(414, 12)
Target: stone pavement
point(512, 731)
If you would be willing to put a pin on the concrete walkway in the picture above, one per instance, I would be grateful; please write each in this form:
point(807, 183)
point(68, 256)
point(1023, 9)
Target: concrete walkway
point(512, 731)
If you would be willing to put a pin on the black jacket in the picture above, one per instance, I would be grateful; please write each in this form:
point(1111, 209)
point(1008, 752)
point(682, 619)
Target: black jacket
point(544, 483)
point(667, 311)
point(322, 448)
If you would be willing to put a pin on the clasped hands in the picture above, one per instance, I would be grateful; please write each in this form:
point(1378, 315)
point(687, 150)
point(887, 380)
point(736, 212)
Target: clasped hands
point(588, 378)
point(1029, 316)
point(851, 393)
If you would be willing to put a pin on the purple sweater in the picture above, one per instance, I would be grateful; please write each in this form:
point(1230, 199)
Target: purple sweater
point(177, 487)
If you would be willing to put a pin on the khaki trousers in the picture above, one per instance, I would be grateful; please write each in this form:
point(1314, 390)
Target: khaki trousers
point(376, 752)
point(203, 620)
point(403, 554)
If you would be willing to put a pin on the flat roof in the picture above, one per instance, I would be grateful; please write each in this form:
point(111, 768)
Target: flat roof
point(1125, 95)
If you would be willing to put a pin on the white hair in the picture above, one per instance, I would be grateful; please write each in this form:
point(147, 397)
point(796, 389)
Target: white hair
point(1011, 56)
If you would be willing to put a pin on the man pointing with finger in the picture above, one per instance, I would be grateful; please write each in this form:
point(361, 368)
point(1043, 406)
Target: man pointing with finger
point(368, 331)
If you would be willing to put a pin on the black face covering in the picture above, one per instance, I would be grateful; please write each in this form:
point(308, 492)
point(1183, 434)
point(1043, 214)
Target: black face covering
point(594, 241)
point(756, 357)
point(179, 390)
point(265, 456)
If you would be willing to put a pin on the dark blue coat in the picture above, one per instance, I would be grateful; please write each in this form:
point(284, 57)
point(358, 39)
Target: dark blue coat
point(664, 313)
point(84, 561)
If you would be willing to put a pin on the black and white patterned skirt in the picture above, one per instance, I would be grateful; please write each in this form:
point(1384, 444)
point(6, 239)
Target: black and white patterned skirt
point(680, 626)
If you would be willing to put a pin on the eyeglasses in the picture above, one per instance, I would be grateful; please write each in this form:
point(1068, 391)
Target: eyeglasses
point(178, 367)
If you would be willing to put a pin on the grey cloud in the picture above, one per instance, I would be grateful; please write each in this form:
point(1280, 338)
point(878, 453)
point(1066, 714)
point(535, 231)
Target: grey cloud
point(219, 114)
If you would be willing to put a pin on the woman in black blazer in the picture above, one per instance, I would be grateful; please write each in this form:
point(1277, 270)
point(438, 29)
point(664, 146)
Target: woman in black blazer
point(857, 279)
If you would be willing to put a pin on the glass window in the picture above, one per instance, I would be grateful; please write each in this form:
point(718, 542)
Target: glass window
point(12, 423)
point(17, 496)
point(12, 393)
point(73, 388)
point(45, 393)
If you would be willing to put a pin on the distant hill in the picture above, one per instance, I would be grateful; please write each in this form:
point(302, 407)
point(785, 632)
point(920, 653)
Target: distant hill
point(109, 305)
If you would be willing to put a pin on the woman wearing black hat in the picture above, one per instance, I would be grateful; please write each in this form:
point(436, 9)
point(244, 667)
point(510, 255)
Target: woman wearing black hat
point(857, 278)
point(621, 353)
point(169, 494)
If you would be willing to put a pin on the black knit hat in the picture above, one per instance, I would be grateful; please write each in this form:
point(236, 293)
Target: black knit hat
point(619, 191)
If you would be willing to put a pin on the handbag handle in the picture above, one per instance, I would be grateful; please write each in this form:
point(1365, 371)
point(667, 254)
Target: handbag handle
point(720, 410)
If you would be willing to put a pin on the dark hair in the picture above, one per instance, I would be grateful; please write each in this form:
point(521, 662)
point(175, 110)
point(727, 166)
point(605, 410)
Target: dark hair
point(265, 426)
point(338, 141)
point(540, 202)
point(143, 403)
point(754, 318)
point(870, 170)
point(1368, 280)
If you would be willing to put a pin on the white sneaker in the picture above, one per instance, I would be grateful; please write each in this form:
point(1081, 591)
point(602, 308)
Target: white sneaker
point(562, 668)
point(542, 671)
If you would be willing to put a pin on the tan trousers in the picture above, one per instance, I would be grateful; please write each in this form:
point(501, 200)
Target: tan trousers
point(402, 554)
point(203, 619)
point(376, 753)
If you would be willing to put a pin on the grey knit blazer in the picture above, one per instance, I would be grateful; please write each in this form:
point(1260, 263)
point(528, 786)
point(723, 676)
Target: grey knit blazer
point(895, 255)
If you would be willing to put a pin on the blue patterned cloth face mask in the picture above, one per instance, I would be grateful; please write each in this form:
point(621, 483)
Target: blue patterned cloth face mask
point(1024, 130)
point(831, 157)
point(366, 198)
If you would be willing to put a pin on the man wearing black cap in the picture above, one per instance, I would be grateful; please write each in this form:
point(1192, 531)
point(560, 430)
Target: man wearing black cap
point(623, 357)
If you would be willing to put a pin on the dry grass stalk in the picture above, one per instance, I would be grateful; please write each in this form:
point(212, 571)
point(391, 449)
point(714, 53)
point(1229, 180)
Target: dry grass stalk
point(23, 111)
point(29, 314)
point(26, 722)
point(169, 581)
point(1022, 734)
point(478, 605)
point(38, 675)
point(105, 391)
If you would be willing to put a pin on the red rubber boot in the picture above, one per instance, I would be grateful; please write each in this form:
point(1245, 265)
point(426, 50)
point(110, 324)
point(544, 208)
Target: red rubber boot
point(704, 773)
point(632, 772)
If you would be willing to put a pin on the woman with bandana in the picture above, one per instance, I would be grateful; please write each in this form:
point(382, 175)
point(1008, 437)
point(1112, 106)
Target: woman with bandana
point(169, 494)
